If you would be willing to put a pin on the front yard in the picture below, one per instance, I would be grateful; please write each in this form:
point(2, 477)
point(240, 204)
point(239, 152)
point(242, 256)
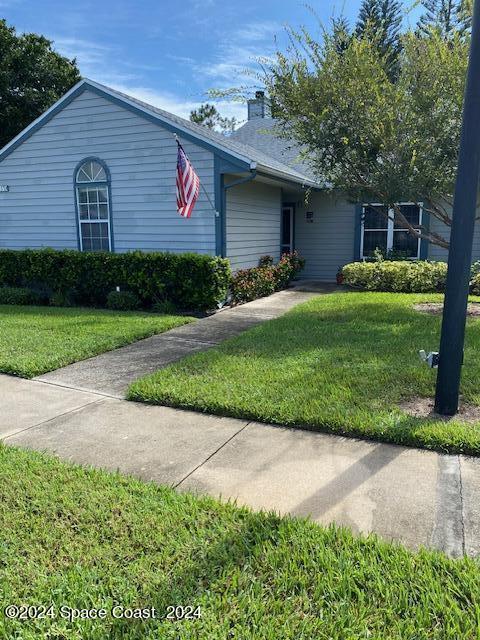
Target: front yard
point(82, 539)
point(339, 363)
point(34, 340)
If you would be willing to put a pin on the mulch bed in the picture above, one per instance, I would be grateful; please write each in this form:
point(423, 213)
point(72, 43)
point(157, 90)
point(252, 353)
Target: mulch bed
point(436, 308)
point(424, 408)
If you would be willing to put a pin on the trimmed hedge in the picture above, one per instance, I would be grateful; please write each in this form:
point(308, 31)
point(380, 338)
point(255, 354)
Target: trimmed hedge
point(189, 281)
point(399, 276)
point(261, 281)
point(164, 307)
point(19, 295)
point(123, 301)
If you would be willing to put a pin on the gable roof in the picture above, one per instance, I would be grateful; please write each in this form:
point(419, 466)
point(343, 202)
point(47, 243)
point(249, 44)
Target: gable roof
point(249, 157)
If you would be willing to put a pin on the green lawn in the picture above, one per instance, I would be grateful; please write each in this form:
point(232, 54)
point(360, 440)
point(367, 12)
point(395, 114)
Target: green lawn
point(339, 363)
point(34, 340)
point(89, 539)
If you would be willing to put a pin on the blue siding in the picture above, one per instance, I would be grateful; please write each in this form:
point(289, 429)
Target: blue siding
point(435, 252)
point(39, 210)
point(438, 253)
point(253, 223)
point(327, 243)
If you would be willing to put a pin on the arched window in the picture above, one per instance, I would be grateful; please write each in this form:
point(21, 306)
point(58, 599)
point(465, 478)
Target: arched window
point(92, 191)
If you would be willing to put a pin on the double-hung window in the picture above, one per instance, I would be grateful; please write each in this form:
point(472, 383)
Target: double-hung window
point(388, 233)
point(93, 206)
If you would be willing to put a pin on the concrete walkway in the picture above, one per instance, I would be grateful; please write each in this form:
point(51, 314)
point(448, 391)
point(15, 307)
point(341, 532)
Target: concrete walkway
point(111, 373)
point(412, 496)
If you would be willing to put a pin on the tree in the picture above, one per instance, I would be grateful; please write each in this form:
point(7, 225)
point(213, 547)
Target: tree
point(381, 21)
point(369, 14)
point(368, 136)
point(32, 77)
point(341, 33)
point(445, 17)
point(464, 16)
point(207, 115)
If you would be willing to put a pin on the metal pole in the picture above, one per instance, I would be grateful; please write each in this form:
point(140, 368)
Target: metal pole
point(463, 222)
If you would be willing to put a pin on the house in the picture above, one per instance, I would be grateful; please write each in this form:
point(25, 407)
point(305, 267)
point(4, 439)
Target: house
point(97, 172)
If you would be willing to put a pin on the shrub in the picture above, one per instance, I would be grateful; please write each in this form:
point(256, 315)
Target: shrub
point(261, 281)
point(475, 285)
point(123, 301)
point(475, 269)
point(249, 284)
point(265, 261)
point(189, 280)
point(61, 299)
point(19, 295)
point(289, 267)
point(403, 276)
point(164, 307)
point(295, 261)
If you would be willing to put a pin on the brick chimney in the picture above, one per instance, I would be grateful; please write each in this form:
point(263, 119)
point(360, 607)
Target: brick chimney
point(259, 107)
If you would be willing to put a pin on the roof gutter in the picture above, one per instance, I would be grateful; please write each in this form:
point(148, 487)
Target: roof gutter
point(303, 183)
point(251, 176)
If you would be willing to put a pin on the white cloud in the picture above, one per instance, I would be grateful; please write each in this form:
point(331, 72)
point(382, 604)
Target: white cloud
point(258, 31)
point(236, 58)
point(94, 59)
point(202, 4)
point(95, 62)
point(237, 65)
point(182, 59)
point(235, 52)
point(87, 52)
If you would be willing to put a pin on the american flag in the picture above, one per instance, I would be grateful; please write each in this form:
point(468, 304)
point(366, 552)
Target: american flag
point(188, 184)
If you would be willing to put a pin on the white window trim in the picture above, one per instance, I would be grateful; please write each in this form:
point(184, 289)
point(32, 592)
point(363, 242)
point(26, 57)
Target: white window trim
point(102, 184)
point(390, 227)
point(86, 179)
point(290, 247)
point(93, 221)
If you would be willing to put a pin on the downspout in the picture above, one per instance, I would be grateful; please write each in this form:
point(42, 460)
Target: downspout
point(249, 178)
point(252, 176)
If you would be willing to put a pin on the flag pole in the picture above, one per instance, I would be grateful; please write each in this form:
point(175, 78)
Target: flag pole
point(217, 214)
point(461, 237)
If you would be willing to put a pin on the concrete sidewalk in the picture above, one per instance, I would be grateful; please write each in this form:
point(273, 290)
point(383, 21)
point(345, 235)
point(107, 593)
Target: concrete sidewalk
point(111, 373)
point(412, 496)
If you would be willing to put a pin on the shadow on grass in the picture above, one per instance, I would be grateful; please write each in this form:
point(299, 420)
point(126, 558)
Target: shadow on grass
point(209, 563)
point(338, 364)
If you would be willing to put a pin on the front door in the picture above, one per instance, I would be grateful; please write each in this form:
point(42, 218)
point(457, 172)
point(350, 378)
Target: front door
point(286, 243)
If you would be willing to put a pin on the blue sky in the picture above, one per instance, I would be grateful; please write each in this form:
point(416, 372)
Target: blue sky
point(168, 52)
